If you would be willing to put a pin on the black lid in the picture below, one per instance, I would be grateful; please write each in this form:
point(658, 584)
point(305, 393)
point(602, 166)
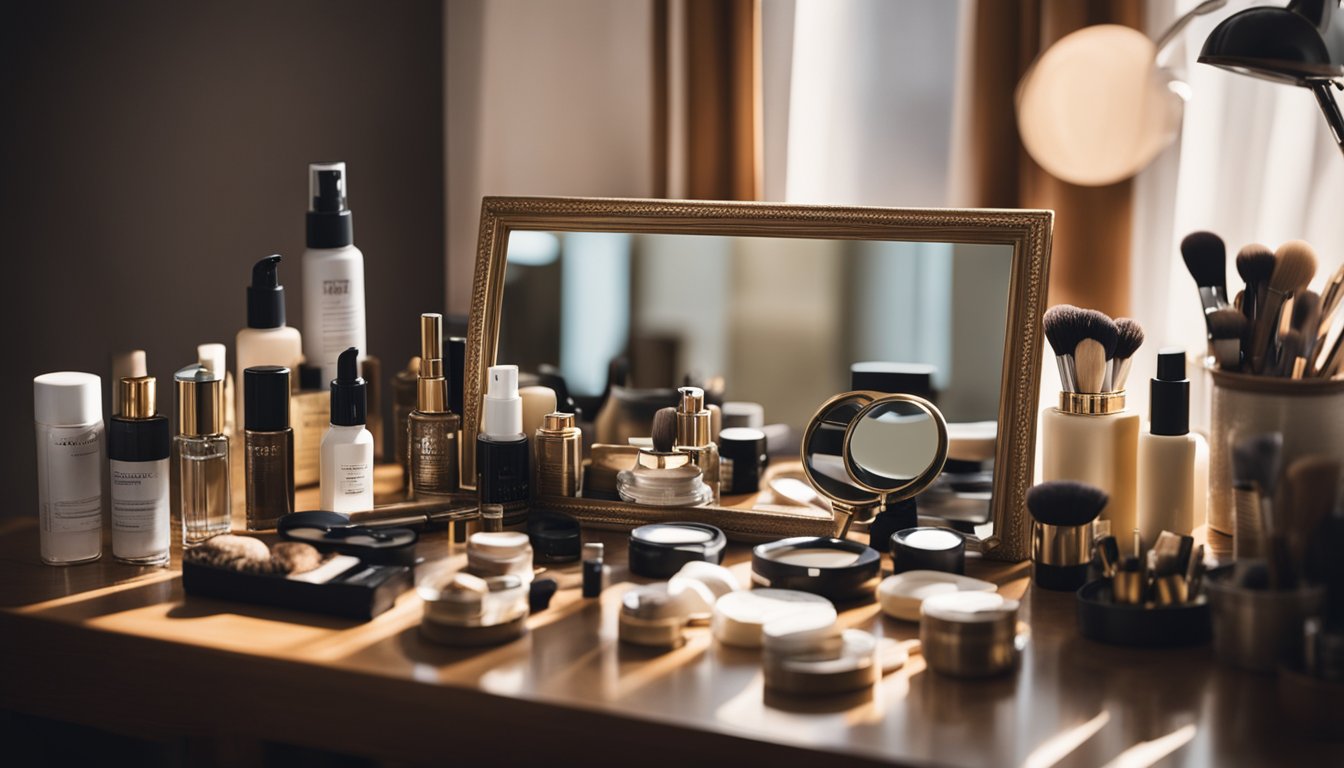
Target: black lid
point(555, 538)
point(349, 397)
point(266, 398)
point(841, 583)
point(1169, 394)
point(330, 224)
point(657, 556)
point(266, 296)
point(893, 378)
point(310, 377)
point(455, 352)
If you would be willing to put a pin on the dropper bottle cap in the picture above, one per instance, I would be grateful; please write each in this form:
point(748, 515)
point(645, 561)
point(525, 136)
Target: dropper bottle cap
point(432, 387)
point(503, 412)
point(349, 398)
point(265, 296)
point(1169, 394)
point(330, 224)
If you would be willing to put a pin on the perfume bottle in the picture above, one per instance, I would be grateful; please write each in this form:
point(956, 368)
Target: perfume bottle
point(693, 436)
point(68, 414)
point(557, 468)
point(346, 484)
point(502, 451)
point(138, 447)
point(202, 454)
point(432, 428)
point(268, 445)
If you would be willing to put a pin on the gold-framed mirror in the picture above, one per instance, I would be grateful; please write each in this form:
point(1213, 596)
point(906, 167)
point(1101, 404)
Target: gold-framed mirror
point(900, 266)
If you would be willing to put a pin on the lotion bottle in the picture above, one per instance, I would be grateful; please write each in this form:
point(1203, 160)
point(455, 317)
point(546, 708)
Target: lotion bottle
point(138, 447)
point(68, 411)
point(503, 466)
point(266, 340)
point(1092, 439)
point(1171, 491)
point(347, 448)
point(333, 273)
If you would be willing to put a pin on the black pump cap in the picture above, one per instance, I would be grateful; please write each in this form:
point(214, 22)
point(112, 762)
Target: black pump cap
point(349, 396)
point(266, 296)
point(1170, 394)
point(266, 398)
point(456, 352)
point(330, 224)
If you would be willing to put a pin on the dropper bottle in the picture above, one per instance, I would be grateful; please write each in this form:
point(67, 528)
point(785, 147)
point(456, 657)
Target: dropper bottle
point(347, 449)
point(503, 467)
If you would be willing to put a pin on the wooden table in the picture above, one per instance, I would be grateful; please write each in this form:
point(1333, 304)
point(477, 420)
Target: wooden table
point(121, 647)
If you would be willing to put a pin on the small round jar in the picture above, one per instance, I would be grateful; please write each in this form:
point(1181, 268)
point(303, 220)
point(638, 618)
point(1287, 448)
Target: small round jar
point(739, 617)
point(659, 550)
point(852, 665)
point(466, 610)
point(653, 616)
point(505, 553)
point(928, 548)
point(902, 594)
point(837, 569)
point(664, 486)
point(969, 634)
point(554, 538)
point(742, 452)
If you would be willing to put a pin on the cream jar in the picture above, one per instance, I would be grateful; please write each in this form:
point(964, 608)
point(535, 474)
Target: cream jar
point(467, 610)
point(653, 616)
point(969, 634)
point(502, 553)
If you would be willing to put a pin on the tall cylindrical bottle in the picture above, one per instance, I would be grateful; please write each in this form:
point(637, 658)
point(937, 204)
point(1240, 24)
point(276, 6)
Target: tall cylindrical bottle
point(266, 340)
point(333, 273)
point(1091, 438)
point(202, 451)
point(346, 484)
point(432, 428)
point(1170, 492)
point(503, 455)
point(694, 435)
point(268, 446)
point(138, 446)
point(68, 415)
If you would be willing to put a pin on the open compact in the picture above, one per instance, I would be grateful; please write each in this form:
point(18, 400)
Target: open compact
point(659, 550)
point(837, 569)
point(333, 532)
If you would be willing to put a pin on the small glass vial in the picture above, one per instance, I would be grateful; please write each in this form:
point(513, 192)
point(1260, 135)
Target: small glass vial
point(202, 454)
point(268, 446)
point(432, 429)
point(592, 569)
point(68, 411)
point(138, 446)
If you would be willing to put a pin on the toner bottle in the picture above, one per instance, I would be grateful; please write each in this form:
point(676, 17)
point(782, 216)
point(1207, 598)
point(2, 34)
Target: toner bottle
point(503, 455)
point(346, 483)
point(333, 273)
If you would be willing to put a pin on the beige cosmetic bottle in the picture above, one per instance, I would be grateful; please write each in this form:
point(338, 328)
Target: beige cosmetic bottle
point(1173, 478)
point(1092, 439)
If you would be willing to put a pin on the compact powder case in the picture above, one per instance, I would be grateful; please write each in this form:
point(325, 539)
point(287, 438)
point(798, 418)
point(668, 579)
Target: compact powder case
point(837, 569)
point(466, 610)
point(500, 553)
point(740, 617)
point(555, 538)
point(902, 595)
point(659, 550)
point(851, 664)
point(653, 615)
point(332, 532)
point(970, 634)
point(928, 549)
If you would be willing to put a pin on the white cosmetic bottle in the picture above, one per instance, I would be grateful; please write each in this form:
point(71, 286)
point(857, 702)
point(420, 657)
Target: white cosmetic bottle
point(68, 410)
point(333, 273)
point(1172, 495)
point(1092, 439)
point(346, 477)
point(266, 340)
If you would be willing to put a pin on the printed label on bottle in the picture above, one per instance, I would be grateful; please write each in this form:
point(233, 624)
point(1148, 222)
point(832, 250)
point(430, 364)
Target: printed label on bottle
point(74, 498)
point(354, 470)
point(342, 314)
point(139, 495)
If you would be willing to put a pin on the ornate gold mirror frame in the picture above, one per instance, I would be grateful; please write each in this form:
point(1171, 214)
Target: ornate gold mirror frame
point(1027, 231)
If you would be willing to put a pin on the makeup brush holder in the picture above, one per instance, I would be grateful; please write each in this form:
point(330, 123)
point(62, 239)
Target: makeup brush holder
point(1308, 412)
point(1256, 629)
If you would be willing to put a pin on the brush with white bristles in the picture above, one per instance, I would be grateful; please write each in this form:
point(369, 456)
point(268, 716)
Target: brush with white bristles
point(1294, 266)
point(1092, 353)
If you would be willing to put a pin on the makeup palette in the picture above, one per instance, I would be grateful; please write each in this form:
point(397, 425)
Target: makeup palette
point(928, 548)
point(332, 532)
point(902, 595)
point(837, 569)
point(740, 616)
point(659, 550)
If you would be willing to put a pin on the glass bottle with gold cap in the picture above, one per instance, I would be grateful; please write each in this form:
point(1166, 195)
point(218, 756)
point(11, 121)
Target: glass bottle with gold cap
point(138, 446)
point(693, 435)
point(202, 454)
point(431, 427)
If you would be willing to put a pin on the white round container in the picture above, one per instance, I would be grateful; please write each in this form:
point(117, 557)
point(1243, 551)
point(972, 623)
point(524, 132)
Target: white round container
point(71, 454)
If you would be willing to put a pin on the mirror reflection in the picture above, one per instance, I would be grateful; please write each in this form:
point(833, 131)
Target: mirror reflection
point(892, 444)
point(824, 452)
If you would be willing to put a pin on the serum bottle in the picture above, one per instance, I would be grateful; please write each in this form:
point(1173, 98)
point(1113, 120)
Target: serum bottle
point(333, 273)
point(138, 447)
point(432, 428)
point(347, 448)
point(1173, 462)
point(266, 340)
point(202, 454)
point(68, 411)
point(693, 436)
point(268, 446)
point(502, 452)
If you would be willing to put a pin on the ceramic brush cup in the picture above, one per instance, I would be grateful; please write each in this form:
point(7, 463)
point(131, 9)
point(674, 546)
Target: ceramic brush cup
point(1061, 532)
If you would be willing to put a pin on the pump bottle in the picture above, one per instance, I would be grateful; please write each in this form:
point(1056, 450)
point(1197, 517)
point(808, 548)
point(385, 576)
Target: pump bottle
point(432, 428)
point(503, 455)
point(1173, 462)
point(266, 340)
point(346, 483)
point(333, 273)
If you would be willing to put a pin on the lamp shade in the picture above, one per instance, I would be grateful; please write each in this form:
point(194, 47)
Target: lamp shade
point(1298, 44)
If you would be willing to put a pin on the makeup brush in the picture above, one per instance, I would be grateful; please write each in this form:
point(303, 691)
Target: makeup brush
point(1063, 329)
point(1294, 266)
point(1255, 263)
point(1333, 292)
point(1312, 486)
point(1092, 352)
point(1206, 258)
point(1306, 319)
point(1065, 502)
point(1256, 463)
point(1290, 362)
point(1226, 327)
point(1129, 337)
point(664, 429)
point(1062, 537)
point(1328, 362)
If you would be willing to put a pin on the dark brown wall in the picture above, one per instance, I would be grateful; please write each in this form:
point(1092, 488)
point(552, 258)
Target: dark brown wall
point(151, 151)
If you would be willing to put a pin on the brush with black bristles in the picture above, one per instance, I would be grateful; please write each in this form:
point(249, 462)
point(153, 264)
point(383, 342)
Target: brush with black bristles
point(1256, 463)
point(1206, 258)
point(1306, 319)
point(1226, 328)
point(1128, 339)
point(1062, 536)
point(1294, 266)
point(1092, 353)
point(1064, 324)
point(1255, 263)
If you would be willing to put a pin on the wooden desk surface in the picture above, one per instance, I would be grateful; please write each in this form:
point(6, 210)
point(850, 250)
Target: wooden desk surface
point(123, 647)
